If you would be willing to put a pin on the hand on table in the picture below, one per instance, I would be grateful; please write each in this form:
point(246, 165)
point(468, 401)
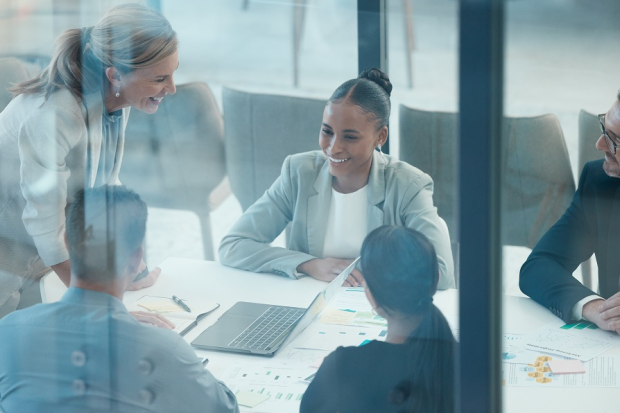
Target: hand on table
point(608, 313)
point(326, 269)
point(156, 320)
point(146, 281)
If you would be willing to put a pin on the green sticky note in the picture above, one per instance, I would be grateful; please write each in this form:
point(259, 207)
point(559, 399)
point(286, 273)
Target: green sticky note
point(250, 399)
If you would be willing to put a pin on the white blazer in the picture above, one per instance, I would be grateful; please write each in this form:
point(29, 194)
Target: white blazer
point(48, 151)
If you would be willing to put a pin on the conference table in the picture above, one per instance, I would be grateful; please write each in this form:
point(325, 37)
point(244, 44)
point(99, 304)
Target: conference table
point(208, 280)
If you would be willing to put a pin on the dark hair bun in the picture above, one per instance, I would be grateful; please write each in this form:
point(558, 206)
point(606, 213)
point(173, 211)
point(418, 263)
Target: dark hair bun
point(380, 78)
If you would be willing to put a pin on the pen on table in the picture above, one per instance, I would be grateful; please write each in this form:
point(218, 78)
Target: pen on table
point(205, 361)
point(180, 303)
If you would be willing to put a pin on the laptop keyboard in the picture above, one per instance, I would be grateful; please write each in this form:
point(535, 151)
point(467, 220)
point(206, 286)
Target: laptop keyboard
point(267, 328)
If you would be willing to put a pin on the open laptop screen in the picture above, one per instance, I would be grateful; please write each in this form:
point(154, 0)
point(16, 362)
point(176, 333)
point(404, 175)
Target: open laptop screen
point(320, 302)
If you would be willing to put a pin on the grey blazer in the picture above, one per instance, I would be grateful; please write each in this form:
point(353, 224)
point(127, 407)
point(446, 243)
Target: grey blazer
point(48, 151)
point(398, 194)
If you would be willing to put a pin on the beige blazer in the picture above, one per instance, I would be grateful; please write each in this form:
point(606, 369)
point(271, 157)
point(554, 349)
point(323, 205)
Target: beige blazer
point(398, 194)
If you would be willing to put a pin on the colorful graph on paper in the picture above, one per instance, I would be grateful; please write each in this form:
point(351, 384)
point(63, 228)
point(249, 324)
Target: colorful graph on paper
point(582, 341)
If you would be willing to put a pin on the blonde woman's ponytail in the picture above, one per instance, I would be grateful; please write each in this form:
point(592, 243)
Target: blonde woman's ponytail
point(128, 37)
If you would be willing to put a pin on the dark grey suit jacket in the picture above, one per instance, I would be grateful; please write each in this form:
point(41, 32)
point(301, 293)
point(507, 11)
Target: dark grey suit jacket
point(590, 225)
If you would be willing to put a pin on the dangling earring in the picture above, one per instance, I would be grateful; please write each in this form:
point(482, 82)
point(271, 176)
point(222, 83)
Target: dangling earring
point(118, 92)
point(379, 147)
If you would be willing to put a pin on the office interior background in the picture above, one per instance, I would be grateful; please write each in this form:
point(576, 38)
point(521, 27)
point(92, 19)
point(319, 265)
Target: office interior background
point(197, 173)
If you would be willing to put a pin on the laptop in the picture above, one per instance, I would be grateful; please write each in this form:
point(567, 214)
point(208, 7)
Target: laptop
point(263, 329)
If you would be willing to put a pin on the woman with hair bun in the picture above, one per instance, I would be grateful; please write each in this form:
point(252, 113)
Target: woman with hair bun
point(332, 198)
point(413, 370)
point(64, 130)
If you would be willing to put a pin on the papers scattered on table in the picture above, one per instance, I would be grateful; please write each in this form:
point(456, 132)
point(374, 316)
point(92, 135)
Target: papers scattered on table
point(167, 307)
point(182, 326)
point(338, 317)
point(329, 337)
point(250, 399)
point(280, 381)
point(513, 353)
point(582, 340)
point(279, 387)
point(291, 355)
point(351, 298)
point(160, 306)
point(351, 307)
point(599, 372)
point(183, 321)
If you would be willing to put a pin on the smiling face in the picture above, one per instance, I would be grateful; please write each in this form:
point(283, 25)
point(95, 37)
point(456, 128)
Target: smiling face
point(611, 165)
point(144, 88)
point(348, 139)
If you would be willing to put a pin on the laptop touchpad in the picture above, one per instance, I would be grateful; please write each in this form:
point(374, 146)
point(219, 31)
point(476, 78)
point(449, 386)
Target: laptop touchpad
point(252, 309)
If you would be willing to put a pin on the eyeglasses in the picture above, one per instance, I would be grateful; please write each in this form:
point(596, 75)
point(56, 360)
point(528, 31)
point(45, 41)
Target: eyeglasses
point(611, 143)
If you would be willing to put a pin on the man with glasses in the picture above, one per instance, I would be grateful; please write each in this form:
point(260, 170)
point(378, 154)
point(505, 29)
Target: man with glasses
point(590, 225)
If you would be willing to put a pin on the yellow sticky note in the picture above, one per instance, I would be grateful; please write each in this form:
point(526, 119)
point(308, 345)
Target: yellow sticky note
point(333, 316)
point(250, 399)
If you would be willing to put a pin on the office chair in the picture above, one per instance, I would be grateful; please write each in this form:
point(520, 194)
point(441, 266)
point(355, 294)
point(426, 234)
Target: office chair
point(175, 157)
point(589, 133)
point(261, 130)
point(537, 182)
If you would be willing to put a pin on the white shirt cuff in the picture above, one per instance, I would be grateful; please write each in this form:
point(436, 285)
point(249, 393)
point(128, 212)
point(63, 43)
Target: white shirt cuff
point(298, 274)
point(51, 248)
point(577, 313)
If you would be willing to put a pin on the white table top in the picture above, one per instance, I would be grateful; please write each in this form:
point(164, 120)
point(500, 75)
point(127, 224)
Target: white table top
point(207, 280)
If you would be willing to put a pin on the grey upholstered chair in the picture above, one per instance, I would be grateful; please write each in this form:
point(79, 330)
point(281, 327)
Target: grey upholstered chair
point(175, 157)
point(427, 140)
point(261, 130)
point(537, 182)
point(589, 132)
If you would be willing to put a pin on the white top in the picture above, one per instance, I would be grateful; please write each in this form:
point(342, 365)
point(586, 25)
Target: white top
point(346, 224)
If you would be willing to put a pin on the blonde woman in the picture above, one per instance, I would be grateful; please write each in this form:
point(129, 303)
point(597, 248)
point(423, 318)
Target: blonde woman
point(64, 130)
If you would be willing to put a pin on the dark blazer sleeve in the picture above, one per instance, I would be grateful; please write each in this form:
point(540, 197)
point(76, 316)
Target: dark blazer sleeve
point(547, 275)
point(322, 393)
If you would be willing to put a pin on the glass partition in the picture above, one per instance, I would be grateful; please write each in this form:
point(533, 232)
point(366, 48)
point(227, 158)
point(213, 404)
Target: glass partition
point(203, 143)
point(558, 77)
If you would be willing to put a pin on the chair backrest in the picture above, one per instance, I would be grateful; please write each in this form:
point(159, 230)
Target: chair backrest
point(427, 140)
point(261, 130)
point(537, 179)
point(537, 182)
point(13, 71)
point(175, 157)
point(589, 132)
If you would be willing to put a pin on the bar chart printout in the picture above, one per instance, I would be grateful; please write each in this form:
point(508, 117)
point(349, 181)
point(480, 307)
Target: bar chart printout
point(582, 341)
point(283, 384)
